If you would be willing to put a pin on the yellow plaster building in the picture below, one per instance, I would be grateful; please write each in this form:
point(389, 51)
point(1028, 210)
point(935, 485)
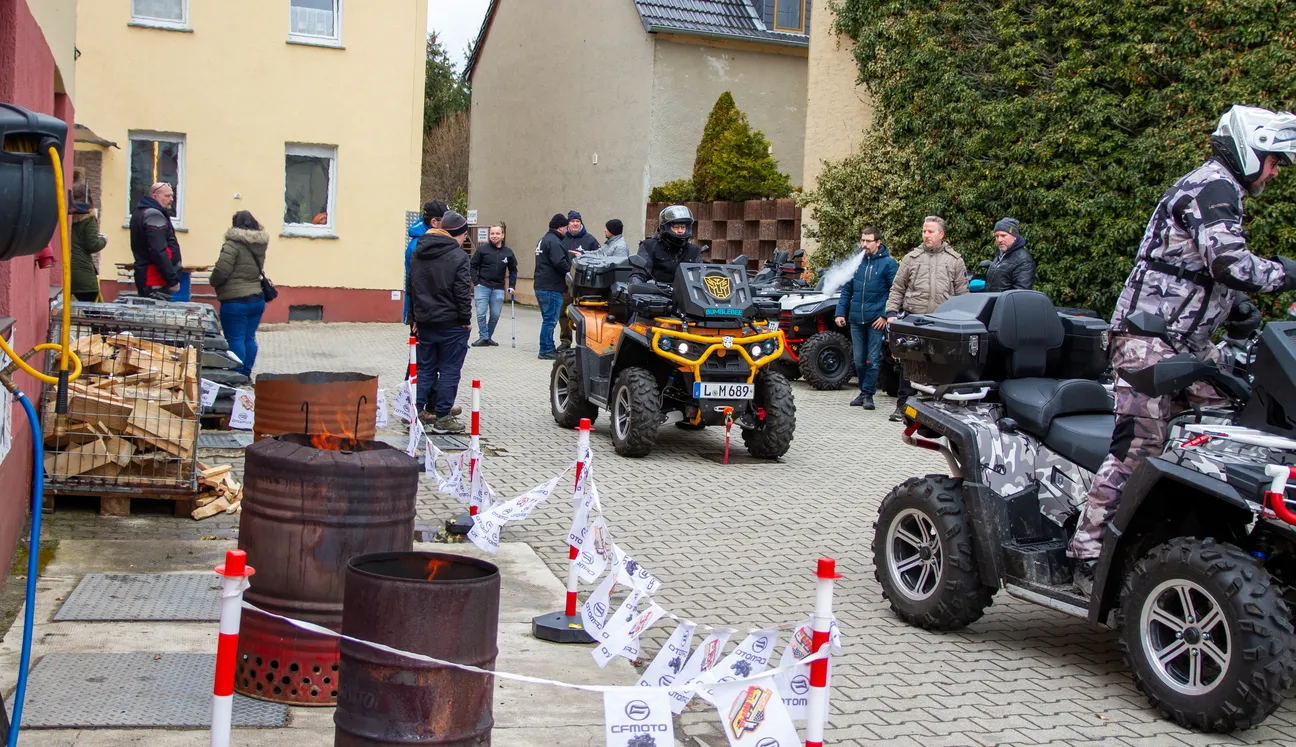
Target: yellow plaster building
point(308, 113)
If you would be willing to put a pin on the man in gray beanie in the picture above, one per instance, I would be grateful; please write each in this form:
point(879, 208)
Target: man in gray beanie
point(1012, 267)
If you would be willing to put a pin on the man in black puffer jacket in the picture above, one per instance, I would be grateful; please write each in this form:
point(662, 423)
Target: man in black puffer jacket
point(440, 292)
point(1013, 268)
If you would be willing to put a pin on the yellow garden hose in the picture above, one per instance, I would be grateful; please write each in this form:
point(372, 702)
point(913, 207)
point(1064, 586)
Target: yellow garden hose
point(66, 356)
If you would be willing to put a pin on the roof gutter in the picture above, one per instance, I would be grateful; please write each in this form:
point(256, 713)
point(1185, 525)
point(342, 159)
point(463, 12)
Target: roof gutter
point(657, 28)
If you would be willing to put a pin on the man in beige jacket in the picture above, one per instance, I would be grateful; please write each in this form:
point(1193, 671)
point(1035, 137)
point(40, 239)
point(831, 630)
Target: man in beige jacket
point(928, 276)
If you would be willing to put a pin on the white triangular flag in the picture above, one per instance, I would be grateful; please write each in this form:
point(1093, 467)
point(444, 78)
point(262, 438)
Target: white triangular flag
point(752, 713)
point(670, 660)
point(703, 659)
point(592, 554)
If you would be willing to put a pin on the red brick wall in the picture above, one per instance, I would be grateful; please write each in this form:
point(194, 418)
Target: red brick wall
point(26, 79)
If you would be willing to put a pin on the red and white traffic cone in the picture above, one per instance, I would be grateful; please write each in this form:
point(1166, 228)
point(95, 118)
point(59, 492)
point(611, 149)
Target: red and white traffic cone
point(412, 376)
point(567, 626)
point(235, 571)
point(817, 705)
point(463, 523)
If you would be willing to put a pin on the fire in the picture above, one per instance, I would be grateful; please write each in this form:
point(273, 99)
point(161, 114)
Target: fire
point(434, 566)
point(325, 442)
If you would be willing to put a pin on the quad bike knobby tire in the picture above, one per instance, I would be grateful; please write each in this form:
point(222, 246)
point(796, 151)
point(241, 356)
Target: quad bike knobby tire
point(566, 394)
point(635, 406)
point(790, 370)
point(1206, 633)
point(774, 436)
point(826, 360)
point(922, 555)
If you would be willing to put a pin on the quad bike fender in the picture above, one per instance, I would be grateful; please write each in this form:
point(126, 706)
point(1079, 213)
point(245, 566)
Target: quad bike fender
point(1159, 490)
point(987, 511)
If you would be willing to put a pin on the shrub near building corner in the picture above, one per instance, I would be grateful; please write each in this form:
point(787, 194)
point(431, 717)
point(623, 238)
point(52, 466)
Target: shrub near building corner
point(1073, 117)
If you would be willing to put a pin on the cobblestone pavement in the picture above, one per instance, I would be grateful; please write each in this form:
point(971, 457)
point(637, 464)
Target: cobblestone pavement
point(737, 544)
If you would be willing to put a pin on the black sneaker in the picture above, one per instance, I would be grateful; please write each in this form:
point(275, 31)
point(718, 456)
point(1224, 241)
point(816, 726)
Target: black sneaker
point(898, 415)
point(1083, 580)
point(859, 400)
point(565, 346)
point(868, 403)
point(548, 356)
point(491, 343)
point(481, 344)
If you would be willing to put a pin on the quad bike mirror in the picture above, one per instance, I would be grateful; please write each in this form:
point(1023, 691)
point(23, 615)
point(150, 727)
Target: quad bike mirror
point(798, 254)
point(740, 260)
point(638, 261)
point(1144, 324)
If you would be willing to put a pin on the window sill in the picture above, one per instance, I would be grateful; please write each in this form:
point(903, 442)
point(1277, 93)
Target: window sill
point(160, 26)
point(307, 41)
point(299, 233)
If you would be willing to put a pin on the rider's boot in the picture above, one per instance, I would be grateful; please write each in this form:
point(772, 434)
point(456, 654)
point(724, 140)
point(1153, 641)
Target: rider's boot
point(1083, 580)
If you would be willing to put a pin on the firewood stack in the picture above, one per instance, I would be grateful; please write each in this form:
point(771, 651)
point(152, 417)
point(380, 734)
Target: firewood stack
point(132, 415)
point(218, 492)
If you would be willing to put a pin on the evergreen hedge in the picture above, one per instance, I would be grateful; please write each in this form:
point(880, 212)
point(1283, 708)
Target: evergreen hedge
point(1073, 116)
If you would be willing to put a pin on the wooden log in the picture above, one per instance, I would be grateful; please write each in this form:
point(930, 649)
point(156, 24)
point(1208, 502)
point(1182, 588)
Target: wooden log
point(70, 434)
point(161, 429)
point(91, 349)
point(211, 509)
point(163, 364)
point(120, 450)
point(86, 405)
point(77, 460)
point(212, 475)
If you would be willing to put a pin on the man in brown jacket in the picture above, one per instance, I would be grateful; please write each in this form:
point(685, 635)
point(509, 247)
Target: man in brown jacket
point(928, 276)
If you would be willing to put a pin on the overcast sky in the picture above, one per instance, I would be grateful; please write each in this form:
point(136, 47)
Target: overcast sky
point(456, 23)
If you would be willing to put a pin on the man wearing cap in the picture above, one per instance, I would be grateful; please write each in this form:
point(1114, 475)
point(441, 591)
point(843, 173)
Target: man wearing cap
point(440, 292)
point(578, 241)
point(616, 247)
point(429, 221)
point(1013, 268)
point(552, 261)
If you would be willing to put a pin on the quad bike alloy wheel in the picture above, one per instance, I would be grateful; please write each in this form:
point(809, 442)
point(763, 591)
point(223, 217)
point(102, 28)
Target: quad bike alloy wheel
point(1206, 633)
point(566, 395)
point(635, 410)
point(922, 555)
point(826, 360)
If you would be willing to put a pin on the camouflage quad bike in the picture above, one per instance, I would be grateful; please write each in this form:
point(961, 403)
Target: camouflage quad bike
point(1198, 566)
point(700, 349)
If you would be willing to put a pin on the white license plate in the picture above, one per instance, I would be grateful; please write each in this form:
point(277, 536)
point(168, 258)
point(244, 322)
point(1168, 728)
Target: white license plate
point(710, 390)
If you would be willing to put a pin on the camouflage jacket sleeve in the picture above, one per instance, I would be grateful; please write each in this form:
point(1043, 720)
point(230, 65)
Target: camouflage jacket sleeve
point(1216, 221)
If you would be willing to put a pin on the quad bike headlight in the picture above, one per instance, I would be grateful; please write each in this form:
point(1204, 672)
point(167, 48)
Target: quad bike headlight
point(683, 348)
point(770, 346)
point(667, 343)
point(756, 350)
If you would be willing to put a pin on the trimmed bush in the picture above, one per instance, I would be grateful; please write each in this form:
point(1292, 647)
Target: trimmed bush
point(680, 190)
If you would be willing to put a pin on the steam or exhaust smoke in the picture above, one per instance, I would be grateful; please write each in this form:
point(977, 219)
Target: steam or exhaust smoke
point(836, 276)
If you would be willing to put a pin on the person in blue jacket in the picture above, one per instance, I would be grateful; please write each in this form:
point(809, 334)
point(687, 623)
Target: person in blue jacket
point(432, 212)
point(863, 306)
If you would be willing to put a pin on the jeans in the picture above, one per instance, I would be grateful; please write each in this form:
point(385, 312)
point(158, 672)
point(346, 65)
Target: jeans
point(441, 355)
point(487, 300)
point(551, 303)
point(866, 347)
point(240, 320)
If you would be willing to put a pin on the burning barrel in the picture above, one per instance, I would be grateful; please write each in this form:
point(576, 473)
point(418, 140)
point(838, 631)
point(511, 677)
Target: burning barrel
point(439, 605)
point(311, 503)
point(341, 404)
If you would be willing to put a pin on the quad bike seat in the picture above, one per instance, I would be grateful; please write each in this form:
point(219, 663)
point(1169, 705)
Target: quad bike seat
point(1071, 416)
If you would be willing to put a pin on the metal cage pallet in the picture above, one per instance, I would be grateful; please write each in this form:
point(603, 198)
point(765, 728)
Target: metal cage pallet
point(132, 424)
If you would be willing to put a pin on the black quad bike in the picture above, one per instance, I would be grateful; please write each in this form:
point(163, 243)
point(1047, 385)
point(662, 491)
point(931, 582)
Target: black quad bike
point(1198, 566)
point(701, 347)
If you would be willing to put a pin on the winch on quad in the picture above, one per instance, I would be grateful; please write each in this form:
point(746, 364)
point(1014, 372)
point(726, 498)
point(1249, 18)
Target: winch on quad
point(698, 350)
point(1198, 566)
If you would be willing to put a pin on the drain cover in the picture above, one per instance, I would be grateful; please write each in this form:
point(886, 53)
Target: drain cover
point(111, 597)
point(86, 691)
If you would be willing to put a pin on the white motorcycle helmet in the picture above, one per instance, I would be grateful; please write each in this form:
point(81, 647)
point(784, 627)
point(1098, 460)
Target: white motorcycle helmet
point(1246, 134)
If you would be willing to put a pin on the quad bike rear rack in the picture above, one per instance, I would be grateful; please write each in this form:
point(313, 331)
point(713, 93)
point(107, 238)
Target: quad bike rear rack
point(909, 438)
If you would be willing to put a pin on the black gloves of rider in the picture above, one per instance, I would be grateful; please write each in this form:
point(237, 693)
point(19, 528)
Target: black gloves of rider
point(1289, 267)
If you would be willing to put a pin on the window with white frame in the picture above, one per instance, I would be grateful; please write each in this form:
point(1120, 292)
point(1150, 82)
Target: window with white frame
point(315, 20)
point(165, 13)
point(310, 190)
point(789, 15)
point(157, 157)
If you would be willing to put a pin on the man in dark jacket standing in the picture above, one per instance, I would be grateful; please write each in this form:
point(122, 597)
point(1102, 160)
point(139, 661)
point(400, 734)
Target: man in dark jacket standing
point(494, 273)
point(578, 241)
point(552, 261)
point(154, 244)
point(863, 305)
point(1013, 268)
point(440, 292)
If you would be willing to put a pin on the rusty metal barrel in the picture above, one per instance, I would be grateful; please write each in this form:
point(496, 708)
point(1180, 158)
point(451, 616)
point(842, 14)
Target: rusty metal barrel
point(339, 404)
point(436, 604)
point(310, 504)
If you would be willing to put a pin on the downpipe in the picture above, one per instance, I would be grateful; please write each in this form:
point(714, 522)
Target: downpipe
point(910, 438)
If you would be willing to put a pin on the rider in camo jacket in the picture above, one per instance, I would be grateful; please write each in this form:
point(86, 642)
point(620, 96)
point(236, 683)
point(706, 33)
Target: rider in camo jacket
point(1192, 261)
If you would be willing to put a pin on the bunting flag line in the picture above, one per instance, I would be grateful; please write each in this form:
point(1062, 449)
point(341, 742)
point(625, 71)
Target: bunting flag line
point(404, 405)
point(670, 659)
point(592, 553)
point(210, 390)
point(416, 437)
point(597, 603)
point(486, 527)
point(638, 719)
point(380, 410)
point(752, 713)
point(243, 416)
point(621, 635)
point(703, 659)
point(750, 657)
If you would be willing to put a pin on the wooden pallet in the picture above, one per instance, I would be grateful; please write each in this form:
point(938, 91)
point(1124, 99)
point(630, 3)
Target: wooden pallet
point(117, 504)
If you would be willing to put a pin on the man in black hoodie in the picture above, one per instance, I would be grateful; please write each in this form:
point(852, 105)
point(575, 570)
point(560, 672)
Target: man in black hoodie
point(154, 245)
point(440, 292)
point(552, 261)
point(578, 241)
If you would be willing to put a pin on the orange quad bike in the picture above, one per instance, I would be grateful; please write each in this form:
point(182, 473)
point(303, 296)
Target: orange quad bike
point(697, 351)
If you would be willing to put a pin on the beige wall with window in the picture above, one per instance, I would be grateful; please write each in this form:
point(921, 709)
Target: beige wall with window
point(689, 77)
point(58, 22)
point(309, 113)
point(837, 110)
point(535, 134)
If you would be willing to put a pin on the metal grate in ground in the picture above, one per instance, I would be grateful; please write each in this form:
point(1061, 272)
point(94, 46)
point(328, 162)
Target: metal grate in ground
point(87, 691)
point(120, 597)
